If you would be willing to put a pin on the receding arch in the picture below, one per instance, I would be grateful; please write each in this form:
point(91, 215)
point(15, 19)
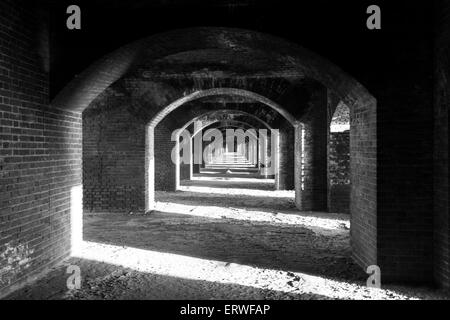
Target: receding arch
point(221, 122)
point(219, 92)
point(227, 123)
point(189, 168)
point(150, 136)
point(136, 59)
point(240, 112)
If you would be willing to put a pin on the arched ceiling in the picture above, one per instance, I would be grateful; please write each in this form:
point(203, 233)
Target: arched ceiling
point(209, 54)
point(222, 63)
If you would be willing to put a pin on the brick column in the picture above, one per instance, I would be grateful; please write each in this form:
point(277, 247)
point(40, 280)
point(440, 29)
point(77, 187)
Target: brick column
point(263, 142)
point(196, 150)
point(441, 219)
point(197, 146)
point(286, 158)
point(165, 177)
point(185, 167)
point(298, 162)
point(315, 136)
point(177, 158)
point(149, 169)
point(274, 160)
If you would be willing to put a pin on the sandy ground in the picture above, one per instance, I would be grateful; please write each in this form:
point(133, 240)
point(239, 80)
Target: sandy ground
point(219, 239)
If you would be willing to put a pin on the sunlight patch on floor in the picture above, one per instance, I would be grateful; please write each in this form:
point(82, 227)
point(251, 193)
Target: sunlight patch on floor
point(243, 192)
point(234, 171)
point(234, 179)
point(174, 265)
point(317, 222)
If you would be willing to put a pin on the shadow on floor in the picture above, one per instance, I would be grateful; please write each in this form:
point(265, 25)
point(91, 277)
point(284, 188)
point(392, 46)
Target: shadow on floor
point(262, 244)
point(102, 281)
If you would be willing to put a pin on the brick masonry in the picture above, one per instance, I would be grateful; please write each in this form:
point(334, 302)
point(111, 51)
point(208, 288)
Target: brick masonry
point(113, 156)
point(404, 203)
point(164, 166)
point(339, 172)
point(315, 128)
point(364, 186)
point(39, 152)
point(286, 157)
point(399, 142)
point(440, 168)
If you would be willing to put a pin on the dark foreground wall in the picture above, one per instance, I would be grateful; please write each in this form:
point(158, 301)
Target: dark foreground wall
point(39, 152)
point(441, 119)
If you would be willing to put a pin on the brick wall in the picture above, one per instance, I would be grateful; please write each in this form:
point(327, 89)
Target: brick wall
point(113, 156)
point(363, 195)
point(164, 167)
point(405, 162)
point(286, 157)
point(339, 172)
point(186, 152)
point(39, 153)
point(441, 102)
point(314, 195)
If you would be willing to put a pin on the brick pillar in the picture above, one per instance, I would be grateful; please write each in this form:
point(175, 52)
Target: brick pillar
point(197, 146)
point(165, 177)
point(298, 162)
point(185, 167)
point(315, 136)
point(149, 169)
point(268, 145)
point(253, 152)
point(286, 158)
point(274, 159)
point(441, 219)
point(177, 158)
point(263, 147)
point(258, 155)
point(195, 168)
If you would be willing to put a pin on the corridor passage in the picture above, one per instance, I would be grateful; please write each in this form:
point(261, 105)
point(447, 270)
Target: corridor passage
point(219, 237)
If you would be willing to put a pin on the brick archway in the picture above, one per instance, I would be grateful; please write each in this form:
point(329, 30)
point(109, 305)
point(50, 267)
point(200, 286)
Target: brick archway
point(187, 170)
point(240, 112)
point(137, 57)
point(81, 91)
point(151, 126)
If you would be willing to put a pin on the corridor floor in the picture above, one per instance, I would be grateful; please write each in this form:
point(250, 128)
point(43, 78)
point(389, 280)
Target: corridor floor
point(217, 238)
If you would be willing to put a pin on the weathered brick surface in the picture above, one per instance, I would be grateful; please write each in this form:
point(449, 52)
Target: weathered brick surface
point(339, 172)
point(186, 169)
point(113, 156)
point(399, 143)
point(114, 146)
point(440, 154)
point(286, 157)
point(164, 166)
point(39, 153)
point(315, 125)
point(364, 186)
